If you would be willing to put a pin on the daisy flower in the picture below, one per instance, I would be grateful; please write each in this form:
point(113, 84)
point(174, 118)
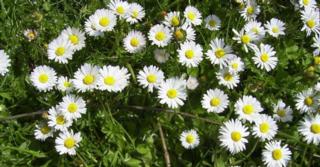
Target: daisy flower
point(185, 33)
point(190, 54)
point(227, 78)
point(134, 42)
point(311, 20)
point(275, 27)
point(159, 35)
point(257, 28)
point(57, 119)
point(75, 36)
point(72, 107)
point(104, 20)
point(30, 34)
point(161, 55)
point(43, 78)
point(316, 45)
point(235, 64)
point(317, 87)
point(251, 10)
point(215, 101)
point(282, 112)
point(90, 27)
point(244, 38)
point(43, 131)
point(150, 77)
point(135, 13)
point(310, 129)
point(213, 22)
point(192, 83)
point(4, 62)
point(219, 52)
point(265, 127)
point(120, 8)
point(85, 78)
point(233, 136)
point(248, 108)
point(308, 3)
point(172, 92)
point(274, 154)
point(64, 84)
point(172, 19)
point(67, 142)
point(189, 139)
point(113, 78)
point(60, 50)
point(265, 57)
point(192, 15)
point(306, 101)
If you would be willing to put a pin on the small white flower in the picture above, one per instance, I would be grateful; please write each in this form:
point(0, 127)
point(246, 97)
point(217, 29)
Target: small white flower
point(282, 112)
point(134, 42)
point(60, 50)
point(213, 22)
point(185, 33)
point(64, 84)
point(173, 92)
point(189, 139)
point(308, 3)
point(75, 36)
point(161, 55)
point(306, 101)
point(104, 20)
point(190, 54)
point(43, 131)
point(172, 19)
point(215, 101)
point(57, 119)
point(275, 155)
point(160, 35)
point(250, 11)
point(120, 8)
point(43, 78)
point(192, 15)
point(235, 64)
point(30, 34)
point(86, 78)
point(150, 77)
point(219, 52)
point(227, 78)
point(275, 27)
point(248, 108)
point(265, 57)
point(4, 63)
point(311, 20)
point(72, 107)
point(265, 127)
point(257, 28)
point(91, 28)
point(310, 129)
point(192, 83)
point(135, 13)
point(245, 38)
point(113, 78)
point(316, 45)
point(67, 142)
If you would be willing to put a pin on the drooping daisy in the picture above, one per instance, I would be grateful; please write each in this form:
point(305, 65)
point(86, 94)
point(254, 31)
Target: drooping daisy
point(172, 19)
point(43, 78)
point(282, 112)
point(190, 54)
point(189, 139)
point(75, 36)
point(308, 3)
point(43, 131)
point(233, 136)
point(235, 64)
point(60, 50)
point(310, 129)
point(306, 101)
point(248, 108)
point(192, 83)
point(113, 78)
point(311, 20)
point(57, 119)
point(265, 127)
point(86, 78)
point(30, 34)
point(275, 155)
point(227, 78)
point(135, 13)
point(220, 52)
point(245, 38)
point(134, 42)
point(257, 28)
point(192, 15)
point(64, 84)
point(213, 22)
point(265, 57)
point(160, 35)
point(67, 142)
point(316, 45)
point(215, 101)
point(120, 8)
point(4, 62)
point(90, 27)
point(104, 20)
point(172, 92)
point(250, 11)
point(150, 77)
point(72, 107)
point(275, 27)
point(184, 33)
point(161, 55)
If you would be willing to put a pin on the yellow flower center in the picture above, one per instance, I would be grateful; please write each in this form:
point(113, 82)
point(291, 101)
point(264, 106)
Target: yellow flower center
point(109, 80)
point(248, 109)
point(31, 35)
point(191, 16)
point(219, 53)
point(190, 138)
point(151, 78)
point(160, 36)
point(308, 101)
point(277, 154)
point(189, 54)
point(281, 113)
point(43, 78)
point(104, 21)
point(135, 14)
point(255, 30)
point(235, 66)
point(60, 51)
point(311, 23)
point(264, 127)
point(275, 29)
point(45, 129)
point(69, 142)
point(60, 120)
point(120, 10)
point(236, 136)
point(250, 10)
point(228, 77)
point(134, 42)
point(172, 93)
point(315, 128)
point(305, 2)
point(73, 107)
point(245, 39)
point(179, 34)
point(264, 57)
point(88, 79)
point(67, 84)
point(215, 102)
point(74, 39)
point(212, 23)
point(175, 21)
point(317, 60)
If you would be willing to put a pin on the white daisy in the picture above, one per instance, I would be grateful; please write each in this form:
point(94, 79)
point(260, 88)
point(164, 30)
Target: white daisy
point(311, 20)
point(282, 112)
point(185, 33)
point(30, 34)
point(250, 11)
point(244, 38)
point(316, 45)
point(219, 52)
point(235, 64)
point(104, 20)
point(159, 35)
point(173, 92)
point(265, 57)
point(248, 108)
point(57, 119)
point(43, 78)
point(43, 131)
point(86, 78)
point(233, 136)
point(192, 15)
point(192, 83)
point(189, 139)
point(310, 129)
point(90, 27)
point(227, 78)
point(4, 62)
point(161, 55)
point(150, 77)
point(275, 155)
point(257, 28)
point(317, 87)
point(120, 8)
point(265, 127)
point(275, 27)
point(113, 78)
point(134, 42)
point(67, 142)
point(75, 36)
point(60, 50)
point(215, 101)
point(308, 3)
point(213, 22)
point(72, 107)
point(306, 101)
point(172, 19)
point(135, 13)
point(64, 84)
point(190, 54)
